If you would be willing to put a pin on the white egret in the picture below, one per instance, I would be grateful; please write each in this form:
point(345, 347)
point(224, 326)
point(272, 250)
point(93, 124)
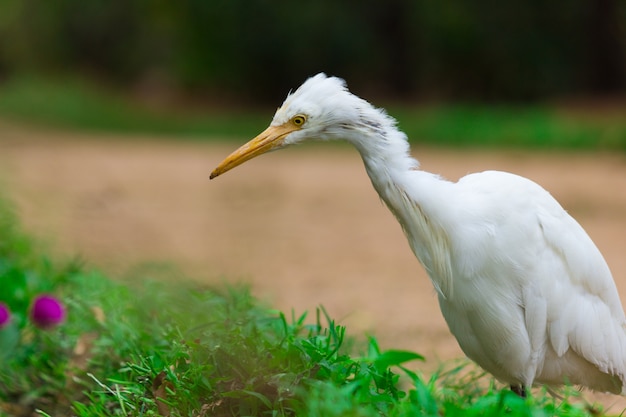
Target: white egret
point(522, 287)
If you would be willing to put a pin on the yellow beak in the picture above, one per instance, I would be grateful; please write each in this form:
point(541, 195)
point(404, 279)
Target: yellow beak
point(269, 139)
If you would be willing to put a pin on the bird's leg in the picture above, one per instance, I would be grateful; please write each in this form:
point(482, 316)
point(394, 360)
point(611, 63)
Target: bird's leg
point(519, 390)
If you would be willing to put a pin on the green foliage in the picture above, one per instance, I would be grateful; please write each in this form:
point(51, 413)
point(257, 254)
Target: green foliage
point(29, 356)
point(151, 348)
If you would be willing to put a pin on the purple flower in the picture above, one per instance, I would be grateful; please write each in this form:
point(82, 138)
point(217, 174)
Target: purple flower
point(47, 312)
point(5, 315)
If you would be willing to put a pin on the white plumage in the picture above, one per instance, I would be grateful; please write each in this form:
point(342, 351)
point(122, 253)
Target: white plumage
point(523, 288)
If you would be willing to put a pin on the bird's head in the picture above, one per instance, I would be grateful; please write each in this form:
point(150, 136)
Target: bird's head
point(321, 108)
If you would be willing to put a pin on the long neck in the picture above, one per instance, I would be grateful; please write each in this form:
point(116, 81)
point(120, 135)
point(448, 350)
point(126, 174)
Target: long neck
point(414, 197)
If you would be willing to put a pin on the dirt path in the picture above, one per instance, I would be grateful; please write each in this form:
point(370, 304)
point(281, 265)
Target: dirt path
point(304, 226)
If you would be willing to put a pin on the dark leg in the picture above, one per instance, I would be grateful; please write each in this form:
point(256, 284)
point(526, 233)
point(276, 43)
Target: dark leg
point(519, 390)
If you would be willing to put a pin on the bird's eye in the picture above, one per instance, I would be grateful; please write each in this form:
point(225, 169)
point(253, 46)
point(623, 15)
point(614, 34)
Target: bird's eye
point(298, 120)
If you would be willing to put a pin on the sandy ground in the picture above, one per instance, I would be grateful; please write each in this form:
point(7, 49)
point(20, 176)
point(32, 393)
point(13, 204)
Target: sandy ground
point(303, 226)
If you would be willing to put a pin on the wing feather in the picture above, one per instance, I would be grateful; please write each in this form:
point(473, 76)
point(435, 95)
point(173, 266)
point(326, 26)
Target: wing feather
point(585, 313)
point(530, 246)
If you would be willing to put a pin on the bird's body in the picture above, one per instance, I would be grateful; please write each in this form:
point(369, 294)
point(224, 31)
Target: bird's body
point(522, 287)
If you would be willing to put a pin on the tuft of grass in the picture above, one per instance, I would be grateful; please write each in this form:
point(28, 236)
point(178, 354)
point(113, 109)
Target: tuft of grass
point(148, 348)
point(79, 104)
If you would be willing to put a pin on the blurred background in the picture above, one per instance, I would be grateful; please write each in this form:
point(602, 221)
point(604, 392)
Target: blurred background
point(256, 50)
point(114, 112)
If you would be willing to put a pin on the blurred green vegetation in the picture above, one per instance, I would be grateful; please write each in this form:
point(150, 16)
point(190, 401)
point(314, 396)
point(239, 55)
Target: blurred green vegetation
point(258, 49)
point(538, 127)
point(79, 104)
point(76, 104)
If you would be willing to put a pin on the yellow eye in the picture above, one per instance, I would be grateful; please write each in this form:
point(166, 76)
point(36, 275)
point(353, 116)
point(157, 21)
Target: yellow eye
point(298, 120)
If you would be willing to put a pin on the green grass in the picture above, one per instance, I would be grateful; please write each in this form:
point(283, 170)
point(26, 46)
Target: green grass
point(77, 104)
point(151, 348)
point(508, 126)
